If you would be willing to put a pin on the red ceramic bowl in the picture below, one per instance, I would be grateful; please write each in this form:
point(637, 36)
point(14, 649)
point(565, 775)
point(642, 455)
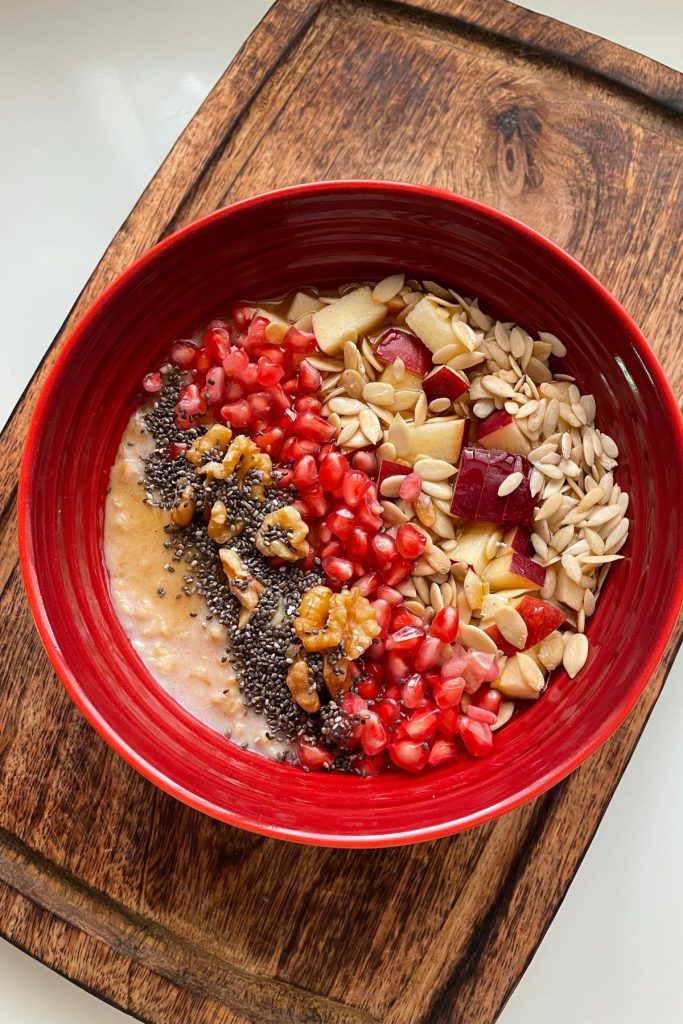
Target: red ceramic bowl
point(323, 234)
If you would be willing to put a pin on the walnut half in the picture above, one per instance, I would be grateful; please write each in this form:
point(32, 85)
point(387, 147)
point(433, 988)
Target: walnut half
point(298, 681)
point(283, 533)
point(245, 587)
point(326, 620)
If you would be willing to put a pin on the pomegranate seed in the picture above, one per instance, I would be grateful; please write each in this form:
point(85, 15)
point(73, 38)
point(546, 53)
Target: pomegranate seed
point(398, 572)
point(357, 543)
point(442, 752)
point(410, 543)
point(242, 314)
point(428, 654)
point(191, 401)
point(368, 583)
point(256, 331)
point(341, 521)
point(282, 478)
point(371, 766)
point(402, 617)
point(413, 691)
point(423, 722)
point(445, 624)
point(456, 665)
point(383, 550)
point(356, 709)
point(338, 570)
point(481, 668)
point(411, 487)
point(235, 362)
point(409, 755)
point(313, 755)
point(332, 548)
point(354, 486)
point(248, 378)
point(312, 427)
point(314, 498)
point(405, 639)
point(480, 714)
point(308, 378)
point(490, 700)
point(217, 341)
point(382, 610)
point(237, 413)
point(398, 667)
point(333, 469)
point(270, 441)
point(373, 735)
point(450, 722)
point(268, 373)
point(369, 689)
point(291, 386)
point(308, 403)
point(215, 381)
point(305, 472)
point(175, 450)
point(260, 403)
point(365, 461)
point(299, 341)
point(151, 383)
point(203, 360)
point(369, 516)
point(300, 446)
point(233, 391)
point(391, 596)
point(375, 651)
point(183, 353)
point(447, 692)
point(476, 736)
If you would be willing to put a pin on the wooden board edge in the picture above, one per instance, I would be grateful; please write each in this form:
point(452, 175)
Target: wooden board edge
point(556, 40)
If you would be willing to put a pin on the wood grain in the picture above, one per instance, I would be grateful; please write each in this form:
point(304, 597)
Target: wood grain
point(175, 917)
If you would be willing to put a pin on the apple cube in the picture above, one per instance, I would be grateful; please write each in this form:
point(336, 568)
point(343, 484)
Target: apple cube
point(302, 304)
point(471, 545)
point(396, 344)
point(430, 326)
point(540, 617)
point(519, 540)
point(512, 684)
point(514, 572)
point(481, 473)
point(443, 382)
point(355, 311)
point(437, 439)
point(388, 468)
point(409, 380)
point(500, 431)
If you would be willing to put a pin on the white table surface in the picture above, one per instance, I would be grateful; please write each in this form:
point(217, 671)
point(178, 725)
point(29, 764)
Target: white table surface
point(93, 96)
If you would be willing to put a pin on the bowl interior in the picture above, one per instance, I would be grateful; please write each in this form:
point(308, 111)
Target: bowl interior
point(323, 235)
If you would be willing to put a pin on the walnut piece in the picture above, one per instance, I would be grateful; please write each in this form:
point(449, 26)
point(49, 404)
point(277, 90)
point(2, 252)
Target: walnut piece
point(327, 620)
point(242, 456)
point(217, 438)
point(245, 587)
point(283, 533)
point(336, 675)
point(183, 512)
point(218, 527)
point(298, 681)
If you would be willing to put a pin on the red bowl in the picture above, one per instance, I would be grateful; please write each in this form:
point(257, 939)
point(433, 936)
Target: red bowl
point(323, 234)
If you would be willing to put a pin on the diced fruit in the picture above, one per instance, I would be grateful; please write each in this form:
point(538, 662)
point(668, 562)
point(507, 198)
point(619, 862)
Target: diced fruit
point(401, 382)
point(514, 572)
point(301, 304)
point(435, 331)
point(541, 619)
point(569, 592)
point(438, 438)
point(475, 495)
point(445, 382)
point(388, 468)
point(355, 311)
point(396, 344)
point(512, 684)
point(519, 540)
point(500, 431)
point(471, 545)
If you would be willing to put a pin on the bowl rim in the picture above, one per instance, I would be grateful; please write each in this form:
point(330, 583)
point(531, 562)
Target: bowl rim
point(59, 662)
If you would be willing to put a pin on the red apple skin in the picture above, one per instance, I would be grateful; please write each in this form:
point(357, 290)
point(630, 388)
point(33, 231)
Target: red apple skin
point(475, 495)
point(526, 567)
point(496, 421)
point(444, 383)
point(521, 541)
point(388, 468)
point(396, 344)
point(541, 619)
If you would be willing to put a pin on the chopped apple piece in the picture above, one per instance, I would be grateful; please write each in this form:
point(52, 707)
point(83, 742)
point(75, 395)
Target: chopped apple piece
point(388, 468)
point(396, 344)
point(431, 328)
point(508, 572)
point(408, 381)
point(568, 592)
point(274, 318)
point(500, 431)
point(471, 545)
point(476, 488)
point(302, 304)
point(437, 439)
point(443, 382)
point(540, 618)
point(356, 311)
point(512, 684)
point(519, 540)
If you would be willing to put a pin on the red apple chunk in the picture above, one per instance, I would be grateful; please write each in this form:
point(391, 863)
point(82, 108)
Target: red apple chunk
point(500, 431)
point(396, 344)
point(444, 382)
point(541, 619)
point(481, 473)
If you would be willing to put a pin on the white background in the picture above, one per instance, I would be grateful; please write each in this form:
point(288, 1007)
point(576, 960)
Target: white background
point(93, 95)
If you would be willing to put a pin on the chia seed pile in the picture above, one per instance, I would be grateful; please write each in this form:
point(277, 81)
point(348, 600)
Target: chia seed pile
point(261, 651)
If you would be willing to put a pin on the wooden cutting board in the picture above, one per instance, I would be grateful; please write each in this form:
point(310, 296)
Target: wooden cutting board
point(178, 918)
